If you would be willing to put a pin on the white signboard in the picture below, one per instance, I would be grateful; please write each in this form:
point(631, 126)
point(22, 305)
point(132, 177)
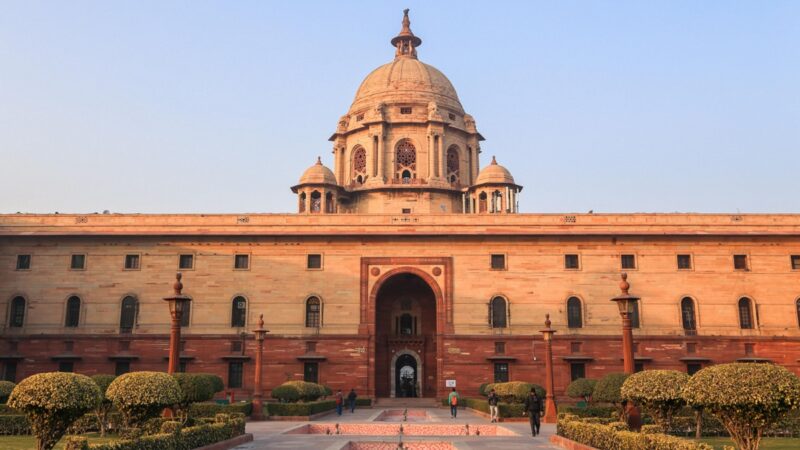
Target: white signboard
point(450, 383)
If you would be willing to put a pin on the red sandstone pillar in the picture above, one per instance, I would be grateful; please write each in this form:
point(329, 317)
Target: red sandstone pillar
point(627, 304)
point(258, 403)
point(177, 302)
point(550, 409)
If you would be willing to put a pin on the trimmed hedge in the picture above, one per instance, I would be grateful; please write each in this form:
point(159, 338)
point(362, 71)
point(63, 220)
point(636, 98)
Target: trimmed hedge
point(514, 391)
point(186, 439)
point(608, 388)
point(581, 388)
point(299, 409)
point(205, 409)
point(294, 391)
point(659, 391)
point(14, 424)
point(482, 405)
point(363, 401)
point(5, 390)
point(217, 385)
point(590, 411)
point(608, 437)
point(142, 395)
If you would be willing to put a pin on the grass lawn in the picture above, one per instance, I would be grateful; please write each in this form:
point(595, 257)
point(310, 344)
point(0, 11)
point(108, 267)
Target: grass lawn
point(28, 442)
point(766, 443)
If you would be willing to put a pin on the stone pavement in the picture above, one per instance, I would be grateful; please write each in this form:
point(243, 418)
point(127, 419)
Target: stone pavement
point(269, 434)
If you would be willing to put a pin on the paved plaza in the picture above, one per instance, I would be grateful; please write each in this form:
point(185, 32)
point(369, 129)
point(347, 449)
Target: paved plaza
point(270, 434)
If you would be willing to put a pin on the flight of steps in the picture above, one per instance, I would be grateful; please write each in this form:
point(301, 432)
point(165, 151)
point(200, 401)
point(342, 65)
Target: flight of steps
point(387, 402)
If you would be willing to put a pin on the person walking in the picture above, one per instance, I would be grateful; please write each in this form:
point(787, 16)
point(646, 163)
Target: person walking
point(339, 402)
point(351, 400)
point(533, 408)
point(453, 399)
point(493, 399)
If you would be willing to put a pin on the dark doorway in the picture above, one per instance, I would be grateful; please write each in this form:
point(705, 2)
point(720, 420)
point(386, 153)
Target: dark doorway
point(405, 376)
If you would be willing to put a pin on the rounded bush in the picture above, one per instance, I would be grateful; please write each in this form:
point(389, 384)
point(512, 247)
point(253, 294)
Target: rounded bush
point(142, 395)
point(103, 381)
point(660, 391)
point(217, 385)
point(482, 389)
point(308, 391)
point(5, 390)
point(747, 398)
point(608, 388)
point(52, 401)
point(286, 393)
point(194, 387)
point(515, 391)
point(581, 388)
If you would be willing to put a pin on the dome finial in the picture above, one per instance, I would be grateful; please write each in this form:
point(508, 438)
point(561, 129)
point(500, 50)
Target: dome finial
point(405, 42)
point(319, 160)
point(494, 161)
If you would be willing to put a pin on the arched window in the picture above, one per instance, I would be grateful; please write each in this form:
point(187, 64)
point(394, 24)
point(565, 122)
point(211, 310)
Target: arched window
point(73, 315)
point(302, 206)
point(482, 202)
point(452, 164)
point(17, 317)
point(687, 314)
point(238, 312)
point(574, 313)
point(316, 202)
point(329, 206)
point(127, 318)
point(745, 313)
point(497, 202)
point(359, 165)
point(313, 312)
point(405, 160)
point(498, 312)
point(406, 325)
point(186, 315)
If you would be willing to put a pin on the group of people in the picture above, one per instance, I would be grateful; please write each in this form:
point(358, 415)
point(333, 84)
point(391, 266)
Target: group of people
point(533, 406)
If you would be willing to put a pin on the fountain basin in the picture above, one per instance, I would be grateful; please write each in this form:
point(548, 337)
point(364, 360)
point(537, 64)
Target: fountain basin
point(409, 429)
point(396, 415)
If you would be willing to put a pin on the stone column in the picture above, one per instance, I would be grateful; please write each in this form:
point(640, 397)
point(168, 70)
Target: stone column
point(381, 163)
point(550, 412)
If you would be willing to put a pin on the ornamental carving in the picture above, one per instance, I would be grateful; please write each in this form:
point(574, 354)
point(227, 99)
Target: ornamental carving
point(406, 155)
point(359, 164)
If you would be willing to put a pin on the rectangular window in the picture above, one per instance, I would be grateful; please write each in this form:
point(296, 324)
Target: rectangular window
point(749, 349)
point(571, 262)
point(406, 210)
point(311, 372)
point(498, 262)
point(405, 110)
point(575, 347)
point(628, 261)
point(131, 262)
point(691, 347)
point(684, 262)
point(740, 262)
point(10, 371)
point(693, 368)
point(122, 367)
point(186, 262)
point(77, 262)
point(501, 372)
point(795, 262)
point(638, 367)
point(66, 366)
point(311, 346)
point(499, 348)
point(235, 371)
point(182, 366)
point(23, 262)
point(577, 370)
point(241, 262)
point(635, 316)
point(314, 261)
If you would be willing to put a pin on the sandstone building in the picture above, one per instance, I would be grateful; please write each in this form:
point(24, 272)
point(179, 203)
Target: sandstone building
point(405, 266)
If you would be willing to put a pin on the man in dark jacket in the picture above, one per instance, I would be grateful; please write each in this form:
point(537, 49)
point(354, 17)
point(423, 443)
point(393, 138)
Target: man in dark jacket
point(493, 399)
point(351, 400)
point(533, 408)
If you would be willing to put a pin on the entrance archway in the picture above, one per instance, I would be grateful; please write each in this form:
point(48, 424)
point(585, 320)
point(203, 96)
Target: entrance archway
point(405, 337)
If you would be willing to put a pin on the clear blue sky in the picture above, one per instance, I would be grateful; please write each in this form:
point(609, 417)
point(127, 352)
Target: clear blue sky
point(193, 106)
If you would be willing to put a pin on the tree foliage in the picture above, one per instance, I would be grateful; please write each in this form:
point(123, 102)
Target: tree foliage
point(216, 381)
point(140, 396)
point(293, 391)
point(747, 398)
point(608, 388)
point(514, 391)
point(52, 401)
point(581, 388)
point(104, 406)
point(660, 391)
point(5, 390)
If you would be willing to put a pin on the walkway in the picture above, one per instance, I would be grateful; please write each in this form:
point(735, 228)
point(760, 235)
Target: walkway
point(268, 434)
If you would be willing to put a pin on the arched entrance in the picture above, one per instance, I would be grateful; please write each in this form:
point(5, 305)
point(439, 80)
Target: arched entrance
point(405, 337)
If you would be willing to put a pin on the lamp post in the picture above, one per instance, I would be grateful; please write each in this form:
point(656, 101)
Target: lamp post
point(627, 305)
point(550, 412)
point(258, 403)
point(177, 304)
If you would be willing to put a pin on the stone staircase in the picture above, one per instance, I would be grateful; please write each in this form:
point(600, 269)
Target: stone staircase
point(414, 402)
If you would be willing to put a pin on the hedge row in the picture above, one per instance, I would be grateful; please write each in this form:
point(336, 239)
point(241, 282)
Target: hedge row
point(590, 411)
point(212, 409)
point(479, 404)
point(183, 439)
point(14, 424)
point(299, 409)
point(614, 437)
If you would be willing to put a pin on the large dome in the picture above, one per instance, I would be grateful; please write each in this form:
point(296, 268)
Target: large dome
point(406, 80)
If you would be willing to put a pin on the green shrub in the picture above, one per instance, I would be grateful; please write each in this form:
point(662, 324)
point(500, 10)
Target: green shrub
point(104, 407)
point(515, 391)
point(607, 390)
point(363, 401)
point(52, 401)
point(171, 427)
point(481, 404)
point(659, 391)
point(326, 391)
point(5, 390)
point(76, 443)
point(188, 438)
point(482, 389)
point(14, 424)
point(286, 393)
point(195, 388)
point(590, 411)
point(299, 409)
point(581, 388)
point(205, 409)
point(217, 384)
point(746, 398)
point(142, 395)
point(610, 437)
point(293, 391)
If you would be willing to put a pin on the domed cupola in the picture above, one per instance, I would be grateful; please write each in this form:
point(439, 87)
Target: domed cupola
point(494, 191)
point(317, 190)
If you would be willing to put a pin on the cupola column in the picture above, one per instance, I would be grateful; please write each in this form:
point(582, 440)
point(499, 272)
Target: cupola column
point(442, 158)
point(381, 157)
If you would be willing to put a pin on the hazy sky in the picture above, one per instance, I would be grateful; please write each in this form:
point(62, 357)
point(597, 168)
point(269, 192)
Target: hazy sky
point(163, 106)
